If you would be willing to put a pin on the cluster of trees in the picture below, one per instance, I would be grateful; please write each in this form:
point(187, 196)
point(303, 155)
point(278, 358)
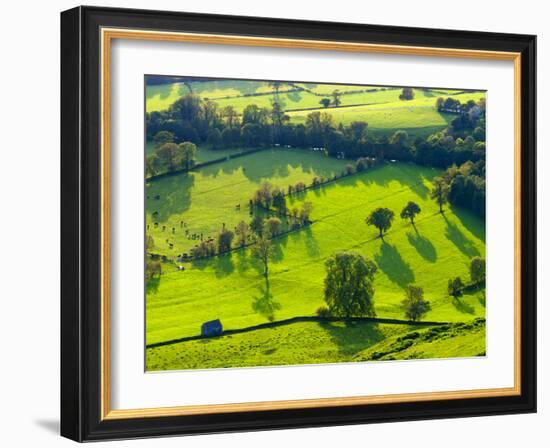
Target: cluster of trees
point(168, 156)
point(456, 286)
point(382, 217)
point(334, 102)
point(270, 197)
point(192, 120)
point(463, 186)
point(349, 290)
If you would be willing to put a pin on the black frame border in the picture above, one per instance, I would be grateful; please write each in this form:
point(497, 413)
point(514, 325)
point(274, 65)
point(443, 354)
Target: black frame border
point(81, 224)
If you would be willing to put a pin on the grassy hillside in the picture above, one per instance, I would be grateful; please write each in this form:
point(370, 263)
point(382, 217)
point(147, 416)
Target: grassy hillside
point(231, 288)
point(306, 343)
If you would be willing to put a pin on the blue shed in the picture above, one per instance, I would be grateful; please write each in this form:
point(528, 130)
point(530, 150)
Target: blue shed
point(211, 328)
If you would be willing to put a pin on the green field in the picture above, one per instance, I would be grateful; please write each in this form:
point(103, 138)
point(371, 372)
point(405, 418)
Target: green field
point(307, 343)
point(231, 288)
point(186, 207)
point(381, 108)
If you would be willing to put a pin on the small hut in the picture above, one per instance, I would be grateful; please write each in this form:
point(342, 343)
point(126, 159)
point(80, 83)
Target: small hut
point(211, 328)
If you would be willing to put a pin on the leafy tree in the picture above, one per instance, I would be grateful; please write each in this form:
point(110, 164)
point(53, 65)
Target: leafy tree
point(455, 287)
point(231, 136)
point(163, 137)
point(477, 270)
point(252, 114)
point(410, 211)
point(257, 225)
point(349, 290)
point(168, 155)
point(153, 269)
point(276, 86)
point(149, 242)
point(336, 94)
point(272, 227)
point(230, 116)
point(325, 102)
point(414, 304)
point(263, 251)
point(243, 231)
point(263, 195)
point(188, 151)
point(440, 192)
point(187, 108)
point(381, 218)
point(407, 94)
point(225, 238)
point(204, 249)
point(279, 201)
point(153, 164)
point(307, 208)
point(214, 138)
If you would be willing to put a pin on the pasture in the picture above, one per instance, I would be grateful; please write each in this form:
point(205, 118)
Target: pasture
point(379, 106)
point(230, 287)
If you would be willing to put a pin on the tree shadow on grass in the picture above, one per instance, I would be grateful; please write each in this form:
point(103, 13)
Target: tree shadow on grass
point(474, 224)
point(312, 246)
point(173, 193)
point(463, 307)
point(352, 337)
point(223, 265)
point(423, 246)
point(391, 263)
point(264, 304)
point(152, 285)
point(463, 244)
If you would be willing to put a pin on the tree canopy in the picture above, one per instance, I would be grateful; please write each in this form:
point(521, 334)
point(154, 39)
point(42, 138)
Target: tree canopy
point(349, 290)
point(381, 218)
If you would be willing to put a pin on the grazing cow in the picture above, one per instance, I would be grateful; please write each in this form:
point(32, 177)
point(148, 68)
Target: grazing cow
point(173, 229)
point(163, 228)
point(157, 197)
point(156, 224)
point(181, 268)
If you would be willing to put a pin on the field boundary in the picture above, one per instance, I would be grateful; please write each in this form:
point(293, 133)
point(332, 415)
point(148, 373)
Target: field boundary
point(293, 320)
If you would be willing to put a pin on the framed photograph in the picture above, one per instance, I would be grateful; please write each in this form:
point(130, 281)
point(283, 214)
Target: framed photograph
point(276, 224)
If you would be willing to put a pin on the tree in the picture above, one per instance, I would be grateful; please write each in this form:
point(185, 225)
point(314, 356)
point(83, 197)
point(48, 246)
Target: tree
point(276, 86)
point(225, 238)
point(336, 94)
point(349, 290)
point(325, 102)
point(167, 154)
point(455, 287)
point(230, 116)
point(263, 195)
point(149, 243)
point(414, 304)
point(440, 192)
point(407, 94)
point(153, 164)
point(279, 201)
point(257, 225)
point(410, 211)
point(214, 138)
point(477, 270)
point(188, 151)
point(263, 251)
point(381, 218)
point(272, 227)
point(163, 137)
point(252, 114)
point(243, 231)
point(153, 269)
point(305, 213)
